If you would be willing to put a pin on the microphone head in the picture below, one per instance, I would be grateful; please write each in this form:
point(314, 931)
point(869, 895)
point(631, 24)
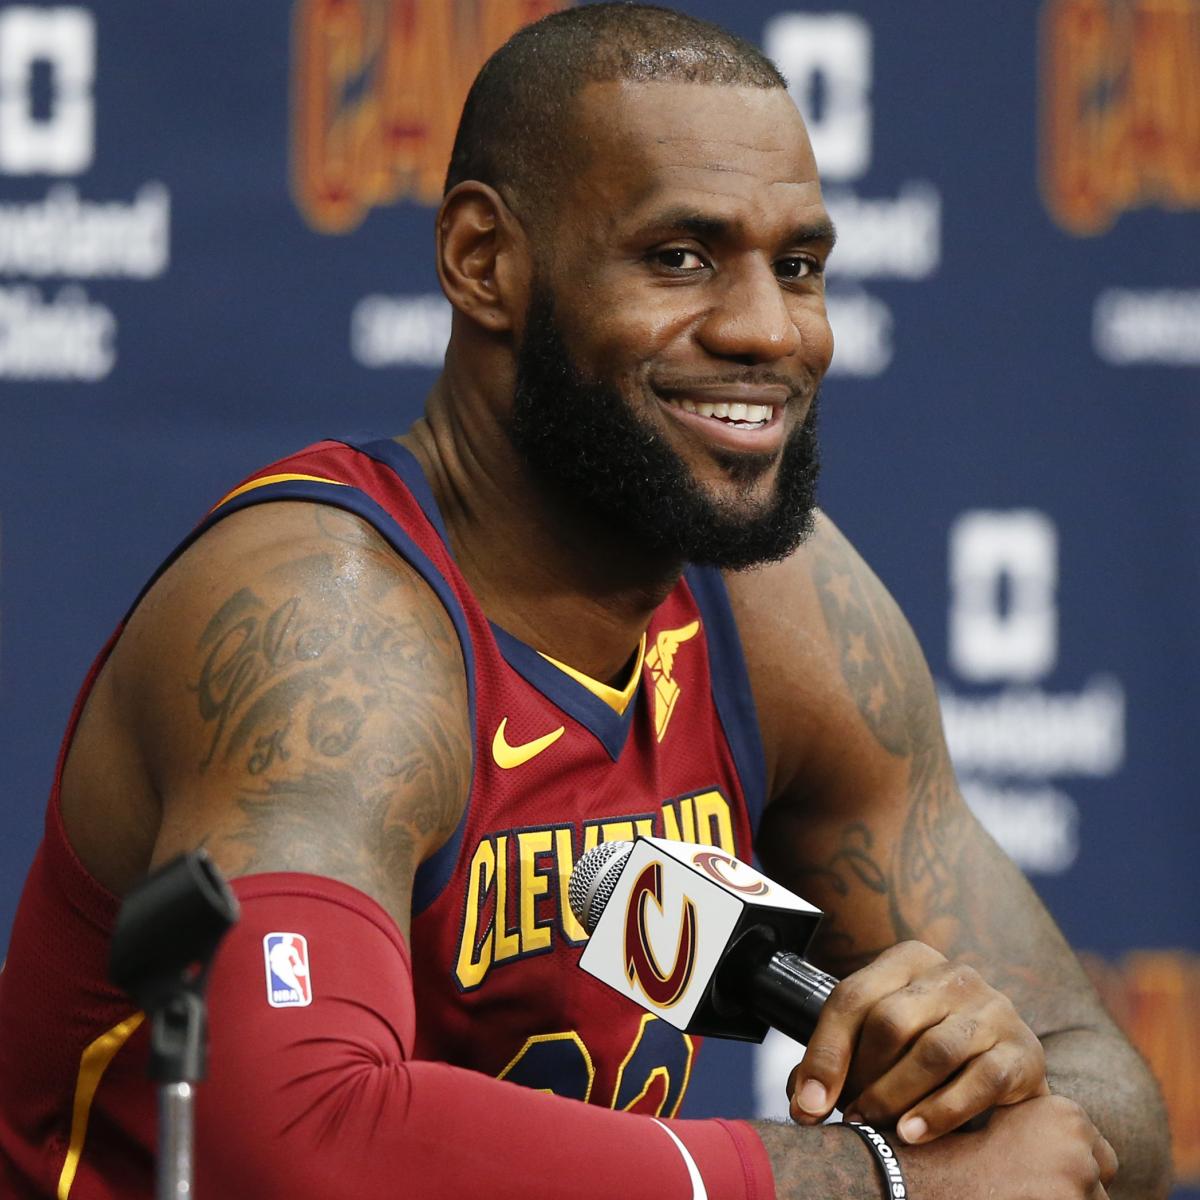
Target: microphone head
point(593, 880)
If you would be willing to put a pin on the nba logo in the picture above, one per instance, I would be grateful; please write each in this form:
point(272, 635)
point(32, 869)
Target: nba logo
point(288, 984)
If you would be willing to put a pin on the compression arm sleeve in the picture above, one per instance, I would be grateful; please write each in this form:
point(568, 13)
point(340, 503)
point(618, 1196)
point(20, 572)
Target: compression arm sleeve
point(325, 1100)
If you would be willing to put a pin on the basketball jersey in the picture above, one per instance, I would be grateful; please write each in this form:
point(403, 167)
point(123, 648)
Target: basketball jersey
point(560, 764)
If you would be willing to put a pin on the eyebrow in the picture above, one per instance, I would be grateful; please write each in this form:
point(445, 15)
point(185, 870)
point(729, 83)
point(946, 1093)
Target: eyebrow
point(702, 225)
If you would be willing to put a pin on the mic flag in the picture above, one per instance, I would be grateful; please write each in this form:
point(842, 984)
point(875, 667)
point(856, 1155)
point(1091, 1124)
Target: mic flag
point(699, 938)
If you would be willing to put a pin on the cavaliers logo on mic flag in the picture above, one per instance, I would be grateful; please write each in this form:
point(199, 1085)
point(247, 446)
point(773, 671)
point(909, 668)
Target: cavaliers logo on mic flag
point(662, 988)
point(289, 984)
point(667, 919)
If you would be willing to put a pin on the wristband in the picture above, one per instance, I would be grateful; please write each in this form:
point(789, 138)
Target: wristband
point(894, 1187)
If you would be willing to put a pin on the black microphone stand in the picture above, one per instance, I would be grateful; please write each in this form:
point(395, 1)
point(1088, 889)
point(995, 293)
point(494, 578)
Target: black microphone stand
point(166, 934)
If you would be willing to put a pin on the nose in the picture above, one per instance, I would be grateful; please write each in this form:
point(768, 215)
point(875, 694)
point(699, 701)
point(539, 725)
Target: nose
point(750, 320)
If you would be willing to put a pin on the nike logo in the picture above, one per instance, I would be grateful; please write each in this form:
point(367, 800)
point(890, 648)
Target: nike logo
point(507, 756)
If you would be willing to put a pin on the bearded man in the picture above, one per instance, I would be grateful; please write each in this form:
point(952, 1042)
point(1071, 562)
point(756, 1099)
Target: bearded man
point(397, 687)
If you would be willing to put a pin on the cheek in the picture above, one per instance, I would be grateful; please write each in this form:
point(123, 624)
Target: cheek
point(816, 336)
point(624, 336)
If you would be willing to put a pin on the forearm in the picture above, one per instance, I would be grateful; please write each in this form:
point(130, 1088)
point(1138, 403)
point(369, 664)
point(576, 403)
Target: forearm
point(822, 1162)
point(324, 1098)
point(1101, 1072)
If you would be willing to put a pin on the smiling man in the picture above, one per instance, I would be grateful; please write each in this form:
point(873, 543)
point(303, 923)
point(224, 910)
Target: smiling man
point(397, 687)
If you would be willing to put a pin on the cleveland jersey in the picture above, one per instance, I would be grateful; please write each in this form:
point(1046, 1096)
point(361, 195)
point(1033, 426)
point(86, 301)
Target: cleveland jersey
point(560, 764)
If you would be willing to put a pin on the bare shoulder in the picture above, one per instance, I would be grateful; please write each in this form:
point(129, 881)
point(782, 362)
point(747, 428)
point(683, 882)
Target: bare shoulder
point(296, 696)
point(833, 663)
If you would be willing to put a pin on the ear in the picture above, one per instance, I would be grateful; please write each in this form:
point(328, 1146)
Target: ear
point(482, 256)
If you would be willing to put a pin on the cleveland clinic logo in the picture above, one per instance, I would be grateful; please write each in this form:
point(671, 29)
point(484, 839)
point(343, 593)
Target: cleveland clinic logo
point(663, 988)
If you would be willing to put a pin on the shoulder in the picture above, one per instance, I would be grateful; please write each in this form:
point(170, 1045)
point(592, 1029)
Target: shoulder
point(297, 693)
point(832, 661)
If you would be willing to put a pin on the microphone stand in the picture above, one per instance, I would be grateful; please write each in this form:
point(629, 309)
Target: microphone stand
point(166, 935)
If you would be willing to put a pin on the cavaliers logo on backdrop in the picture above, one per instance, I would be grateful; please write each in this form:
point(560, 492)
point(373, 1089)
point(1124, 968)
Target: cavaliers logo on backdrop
point(1120, 122)
point(663, 988)
point(377, 86)
point(1155, 996)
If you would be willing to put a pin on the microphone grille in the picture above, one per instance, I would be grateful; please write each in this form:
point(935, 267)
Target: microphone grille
point(593, 880)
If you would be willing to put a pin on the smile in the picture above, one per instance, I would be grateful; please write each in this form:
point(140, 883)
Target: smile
point(729, 422)
point(740, 416)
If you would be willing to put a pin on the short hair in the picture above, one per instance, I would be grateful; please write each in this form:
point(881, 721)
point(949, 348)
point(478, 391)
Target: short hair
point(513, 133)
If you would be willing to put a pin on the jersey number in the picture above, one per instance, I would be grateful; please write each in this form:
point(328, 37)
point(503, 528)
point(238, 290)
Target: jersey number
point(652, 1078)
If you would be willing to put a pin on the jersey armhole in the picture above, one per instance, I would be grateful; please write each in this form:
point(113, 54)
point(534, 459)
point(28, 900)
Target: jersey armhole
point(731, 686)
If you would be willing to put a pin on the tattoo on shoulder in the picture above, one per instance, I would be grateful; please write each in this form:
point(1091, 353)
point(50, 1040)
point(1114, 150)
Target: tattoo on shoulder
point(330, 704)
point(872, 663)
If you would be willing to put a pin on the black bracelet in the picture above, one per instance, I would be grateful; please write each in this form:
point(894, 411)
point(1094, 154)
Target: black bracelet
point(894, 1187)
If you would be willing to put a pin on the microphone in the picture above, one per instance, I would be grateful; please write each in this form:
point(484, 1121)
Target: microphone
point(736, 939)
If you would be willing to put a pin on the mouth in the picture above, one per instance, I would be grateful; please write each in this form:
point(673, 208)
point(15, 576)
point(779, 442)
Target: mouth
point(737, 415)
point(732, 418)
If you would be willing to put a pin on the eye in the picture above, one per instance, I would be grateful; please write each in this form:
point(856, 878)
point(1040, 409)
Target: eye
point(678, 258)
point(797, 266)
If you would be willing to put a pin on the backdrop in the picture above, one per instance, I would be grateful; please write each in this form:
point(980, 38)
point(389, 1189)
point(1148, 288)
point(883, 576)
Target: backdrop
point(215, 246)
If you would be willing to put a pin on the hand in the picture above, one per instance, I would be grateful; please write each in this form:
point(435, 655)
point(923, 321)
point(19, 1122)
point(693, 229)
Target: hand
point(919, 1042)
point(1044, 1149)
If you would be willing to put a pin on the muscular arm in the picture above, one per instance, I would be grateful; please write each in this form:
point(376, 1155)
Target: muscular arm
point(868, 823)
point(299, 699)
point(306, 710)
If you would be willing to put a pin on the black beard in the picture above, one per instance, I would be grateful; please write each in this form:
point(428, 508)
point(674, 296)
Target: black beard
point(618, 476)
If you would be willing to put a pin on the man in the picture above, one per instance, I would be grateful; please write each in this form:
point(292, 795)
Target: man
point(396, 687)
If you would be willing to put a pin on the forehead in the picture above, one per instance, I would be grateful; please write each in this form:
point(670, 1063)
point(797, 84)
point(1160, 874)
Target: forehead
point(741, 152)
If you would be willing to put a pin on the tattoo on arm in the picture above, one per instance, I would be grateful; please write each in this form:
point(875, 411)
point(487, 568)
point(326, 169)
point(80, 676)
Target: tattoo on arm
point(337, 710)
point(884, 671)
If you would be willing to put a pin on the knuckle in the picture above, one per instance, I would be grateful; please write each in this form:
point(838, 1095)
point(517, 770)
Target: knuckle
point(962, 977)
point(849, 996)
point(997, 1074)
point(937, 1052)
point(891, 1020)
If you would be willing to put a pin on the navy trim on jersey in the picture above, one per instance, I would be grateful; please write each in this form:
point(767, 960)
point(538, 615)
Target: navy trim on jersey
point(403, 462)
point(609, 727)
point(731, 686)
point(434, 873)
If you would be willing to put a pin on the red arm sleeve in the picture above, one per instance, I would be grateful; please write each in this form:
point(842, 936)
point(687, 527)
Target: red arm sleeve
point(321, 1098)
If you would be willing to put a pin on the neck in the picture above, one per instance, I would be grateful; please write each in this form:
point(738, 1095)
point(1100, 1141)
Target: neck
point(563, 586)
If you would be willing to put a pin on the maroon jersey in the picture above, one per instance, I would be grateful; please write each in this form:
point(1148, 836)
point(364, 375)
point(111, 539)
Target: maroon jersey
point(560, 764)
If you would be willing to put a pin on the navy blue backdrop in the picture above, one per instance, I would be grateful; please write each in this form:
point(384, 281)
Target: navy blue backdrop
point(215, 246)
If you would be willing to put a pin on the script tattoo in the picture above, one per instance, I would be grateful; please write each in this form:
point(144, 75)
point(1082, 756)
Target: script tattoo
point(336, 709)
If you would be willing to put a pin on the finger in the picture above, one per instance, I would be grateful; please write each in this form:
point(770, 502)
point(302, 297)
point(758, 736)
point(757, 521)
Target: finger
point(1106, 1160)
point(999, 1076)
point(890, 1029)
point(826, 1061)
point(933, 1058)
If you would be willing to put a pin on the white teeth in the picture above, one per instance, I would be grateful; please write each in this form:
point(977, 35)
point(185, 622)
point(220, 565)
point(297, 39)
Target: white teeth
point(743, 414)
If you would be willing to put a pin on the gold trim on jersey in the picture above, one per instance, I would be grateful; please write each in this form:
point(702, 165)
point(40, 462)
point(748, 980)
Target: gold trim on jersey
point(286, 477)
point(616, 698)
point(92, 1064)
